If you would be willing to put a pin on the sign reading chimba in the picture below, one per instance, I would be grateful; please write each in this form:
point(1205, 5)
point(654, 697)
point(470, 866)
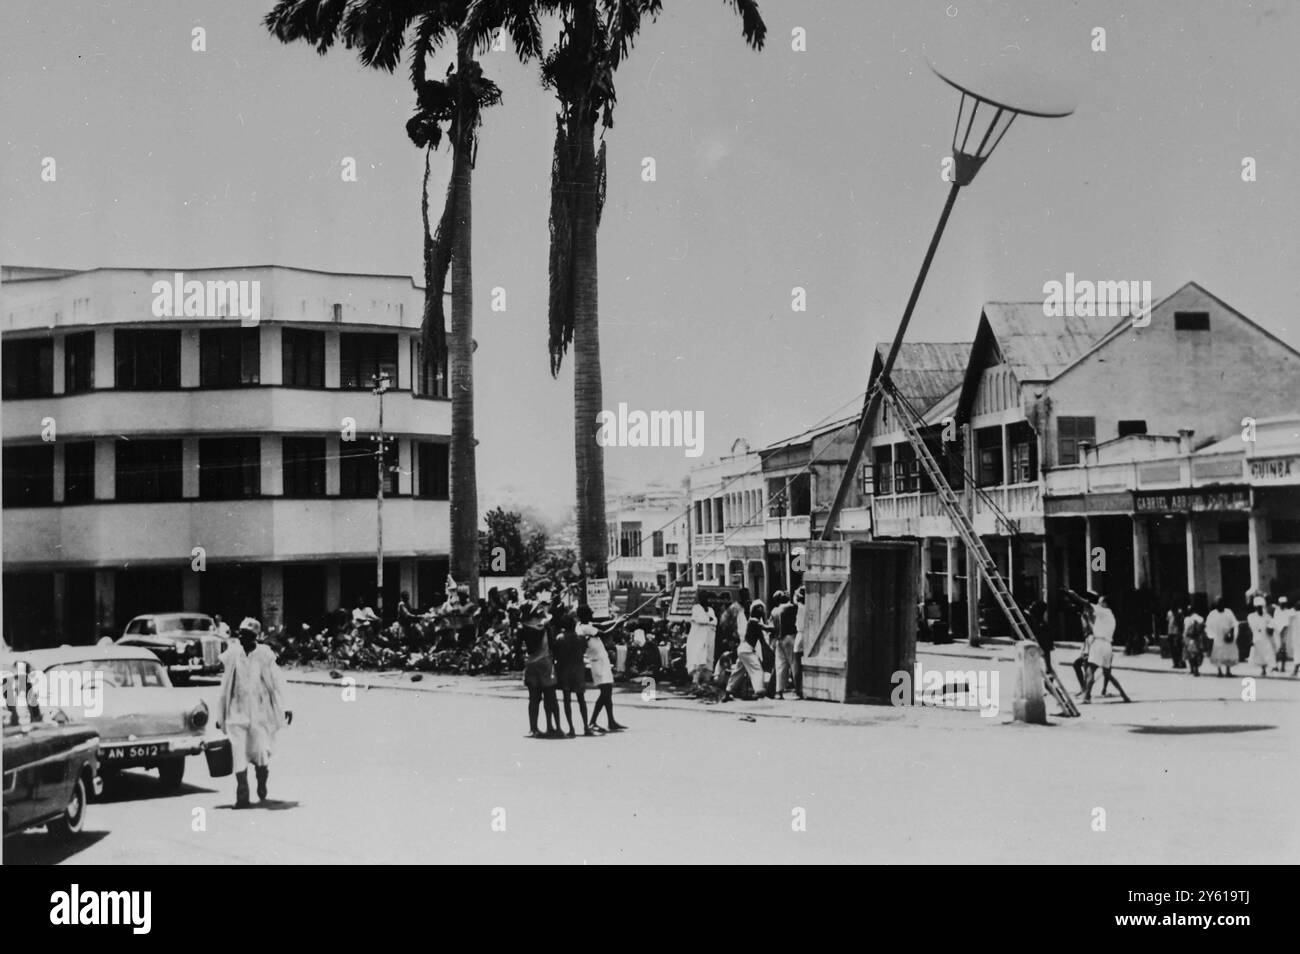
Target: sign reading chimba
point(1206, 500)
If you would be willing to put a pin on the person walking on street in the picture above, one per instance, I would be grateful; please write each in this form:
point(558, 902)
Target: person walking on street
point(1262, 653)
point(1284, 632)
point(252, 708)
point(1101, 652)
point(700, 640)
point(1221, 627)
point(1174, 633)
point(1193, 639)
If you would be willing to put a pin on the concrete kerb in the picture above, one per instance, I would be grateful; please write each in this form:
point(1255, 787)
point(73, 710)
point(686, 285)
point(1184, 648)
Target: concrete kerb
point(794, 710)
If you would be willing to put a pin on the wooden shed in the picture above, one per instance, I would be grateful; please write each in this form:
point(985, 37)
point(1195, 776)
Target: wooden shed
point(861, 618)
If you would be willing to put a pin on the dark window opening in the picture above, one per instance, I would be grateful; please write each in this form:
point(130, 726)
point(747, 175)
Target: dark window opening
point(28, 368)
point(304, 466)
point(229, 357)
point(1284, 531)
point(988, 456)
point(148, 471)
point(29, 475)
point(1132, 427)
point(302, 358)
point(230, 467)
point(79, 362)
point(1234, 531)
point(433, 467)
point(1024, 453)
point(362, 357)
point(147, 360)
point(883, 470)
point(357, 477)
point(79, 472)
point(789, 496)
point(1191, 321)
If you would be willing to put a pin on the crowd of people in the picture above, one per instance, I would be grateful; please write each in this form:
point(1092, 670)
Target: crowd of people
point(745, 650)
point(1267, 639)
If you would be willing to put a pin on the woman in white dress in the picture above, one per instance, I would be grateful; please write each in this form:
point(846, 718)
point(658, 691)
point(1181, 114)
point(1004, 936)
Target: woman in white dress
point(699, 641)
point(1262, 653)
point(1221, 627)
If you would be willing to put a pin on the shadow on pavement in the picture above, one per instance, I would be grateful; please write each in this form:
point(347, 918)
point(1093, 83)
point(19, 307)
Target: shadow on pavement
point(270, 805)
point(139, 786)
point(1197, 729)
point(34, 848)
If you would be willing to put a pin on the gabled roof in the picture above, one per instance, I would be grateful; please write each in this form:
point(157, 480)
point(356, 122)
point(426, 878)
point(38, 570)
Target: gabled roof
point(924, 371)
point(1038, 347)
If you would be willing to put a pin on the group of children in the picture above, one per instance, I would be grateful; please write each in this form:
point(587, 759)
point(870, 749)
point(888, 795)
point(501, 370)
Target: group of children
point(560, 644)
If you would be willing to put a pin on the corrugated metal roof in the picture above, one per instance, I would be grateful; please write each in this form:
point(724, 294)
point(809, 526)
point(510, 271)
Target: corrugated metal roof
point(1038, 347)
point(925, 371)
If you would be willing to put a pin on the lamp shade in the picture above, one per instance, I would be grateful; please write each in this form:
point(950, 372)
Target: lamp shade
point(991, 99)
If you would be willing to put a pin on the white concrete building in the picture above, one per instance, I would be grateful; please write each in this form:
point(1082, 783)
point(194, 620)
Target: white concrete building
point(211, 462)
point(647, 538)
point(728, 509)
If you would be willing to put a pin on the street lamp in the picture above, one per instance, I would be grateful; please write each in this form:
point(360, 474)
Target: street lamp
point(380, 388)
point(983, 118)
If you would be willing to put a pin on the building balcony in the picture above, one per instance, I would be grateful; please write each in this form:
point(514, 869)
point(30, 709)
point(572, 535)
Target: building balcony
point(1201, 470)
point(923, 515)
point(258, 529)
point(259, 410)
point(787, 528)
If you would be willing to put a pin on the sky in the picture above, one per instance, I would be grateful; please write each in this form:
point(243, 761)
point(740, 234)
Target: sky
point(816, 168)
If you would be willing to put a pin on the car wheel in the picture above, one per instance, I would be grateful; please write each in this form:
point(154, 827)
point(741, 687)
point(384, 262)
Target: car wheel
point(171, 772)
point(69, 824)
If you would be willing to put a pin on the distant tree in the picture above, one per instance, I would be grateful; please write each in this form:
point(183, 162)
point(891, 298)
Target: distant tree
point(510, 535)
point(553, 571)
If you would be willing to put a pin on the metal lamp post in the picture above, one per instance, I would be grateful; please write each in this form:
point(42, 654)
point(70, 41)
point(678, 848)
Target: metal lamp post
point(982, 121)
point(381, 386)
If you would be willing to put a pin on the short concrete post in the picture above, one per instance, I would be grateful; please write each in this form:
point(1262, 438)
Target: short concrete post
point(1028, 705)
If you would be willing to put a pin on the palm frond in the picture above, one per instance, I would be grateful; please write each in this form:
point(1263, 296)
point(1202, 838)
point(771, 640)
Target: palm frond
point(751, 22)
point(376, 29)
point(313, 21)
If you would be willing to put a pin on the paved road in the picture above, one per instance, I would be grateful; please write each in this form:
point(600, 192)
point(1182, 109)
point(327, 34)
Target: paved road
point(422, 775)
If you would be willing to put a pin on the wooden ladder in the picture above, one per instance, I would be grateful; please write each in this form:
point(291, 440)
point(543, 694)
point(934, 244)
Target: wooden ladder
point(988, 567)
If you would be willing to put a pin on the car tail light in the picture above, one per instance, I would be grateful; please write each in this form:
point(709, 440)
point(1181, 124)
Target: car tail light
point(199, 717)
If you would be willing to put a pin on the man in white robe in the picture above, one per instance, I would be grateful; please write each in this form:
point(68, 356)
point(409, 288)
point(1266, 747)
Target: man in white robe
point(252, 708)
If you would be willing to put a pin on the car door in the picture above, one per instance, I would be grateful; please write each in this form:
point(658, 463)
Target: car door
point(21, 796)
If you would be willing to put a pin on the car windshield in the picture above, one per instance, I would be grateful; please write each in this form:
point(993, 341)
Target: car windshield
point(185, 624)
point(147, 673)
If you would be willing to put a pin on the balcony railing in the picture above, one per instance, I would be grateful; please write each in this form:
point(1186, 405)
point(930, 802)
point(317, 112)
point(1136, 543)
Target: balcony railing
point(923, 515)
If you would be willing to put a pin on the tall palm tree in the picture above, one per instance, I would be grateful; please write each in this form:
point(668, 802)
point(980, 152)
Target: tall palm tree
point(452, 106)
point(596, 36)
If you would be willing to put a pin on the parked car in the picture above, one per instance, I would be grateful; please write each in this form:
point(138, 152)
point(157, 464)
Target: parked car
point(187, 643)
point(145, 721)
point(50, 767)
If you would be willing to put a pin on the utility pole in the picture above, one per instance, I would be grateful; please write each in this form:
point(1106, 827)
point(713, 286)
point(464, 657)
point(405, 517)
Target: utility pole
point(972, 564)
point(381, 386)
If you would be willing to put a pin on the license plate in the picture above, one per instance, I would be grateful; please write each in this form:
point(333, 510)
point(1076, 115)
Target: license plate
point(122, 753)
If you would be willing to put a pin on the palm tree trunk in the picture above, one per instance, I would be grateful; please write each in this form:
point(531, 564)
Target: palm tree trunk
point(464, 481)
point(588, 397)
